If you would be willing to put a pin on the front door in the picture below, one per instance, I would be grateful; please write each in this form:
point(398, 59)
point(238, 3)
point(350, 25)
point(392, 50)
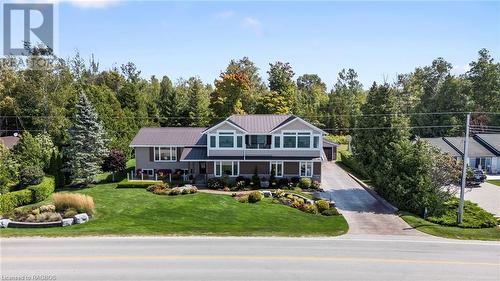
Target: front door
point(203, 167)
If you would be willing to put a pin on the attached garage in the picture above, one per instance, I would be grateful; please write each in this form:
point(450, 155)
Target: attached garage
point(330, 150)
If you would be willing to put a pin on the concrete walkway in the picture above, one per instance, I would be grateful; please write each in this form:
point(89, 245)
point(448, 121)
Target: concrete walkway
point(364, 213)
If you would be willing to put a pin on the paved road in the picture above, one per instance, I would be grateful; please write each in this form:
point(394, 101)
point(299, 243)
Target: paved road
point(486, 196)
point(196, 258)
point(364, 213)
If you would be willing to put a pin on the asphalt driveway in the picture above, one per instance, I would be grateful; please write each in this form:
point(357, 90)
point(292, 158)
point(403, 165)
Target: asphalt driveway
point(364, 213)
point(487, 196)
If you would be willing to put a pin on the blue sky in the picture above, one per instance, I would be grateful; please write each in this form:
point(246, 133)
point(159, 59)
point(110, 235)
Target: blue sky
point(183, 39)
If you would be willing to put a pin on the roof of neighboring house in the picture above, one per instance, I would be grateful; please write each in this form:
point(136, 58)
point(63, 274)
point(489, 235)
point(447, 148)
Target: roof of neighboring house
point(180, 136)
point(443, 146)
point(200, 154)
point(260, 123)
point(9, 141)
point(475, 148)
point(327, 143)
point(491, 141)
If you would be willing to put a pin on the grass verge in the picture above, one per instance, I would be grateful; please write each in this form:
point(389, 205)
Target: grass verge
point(454, 232)
point(139, 212)
point(495, 182)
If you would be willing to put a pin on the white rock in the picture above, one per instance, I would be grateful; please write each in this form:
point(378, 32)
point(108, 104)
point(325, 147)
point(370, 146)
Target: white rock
point(4, 223)
point(67, 222)
point(80, 218)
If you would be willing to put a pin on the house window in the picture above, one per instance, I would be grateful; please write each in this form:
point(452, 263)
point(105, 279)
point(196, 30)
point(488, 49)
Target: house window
point(277, 168)
point(226, 168)
point(277, 141)
point(213, 141)
point(226, 139)
point(306, 169)
point(304, 140)
point(315, 141)
point(289, 140)
point(239, 141)
point(165, 154)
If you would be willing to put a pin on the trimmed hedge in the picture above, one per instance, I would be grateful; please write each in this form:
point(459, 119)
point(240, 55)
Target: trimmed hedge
point(136, 184)
point(43, 189)
point(30, 195)
point(348, 160)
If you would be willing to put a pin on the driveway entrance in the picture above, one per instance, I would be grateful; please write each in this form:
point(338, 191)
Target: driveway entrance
point(364, 213)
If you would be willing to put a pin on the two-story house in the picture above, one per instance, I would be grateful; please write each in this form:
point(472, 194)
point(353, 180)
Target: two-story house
point(241, 145)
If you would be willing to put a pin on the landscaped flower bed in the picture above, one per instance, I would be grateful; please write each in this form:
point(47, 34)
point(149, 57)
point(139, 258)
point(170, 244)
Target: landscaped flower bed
point(68, 208)
point(254, 183)
point(164, 189)
point(296, 201)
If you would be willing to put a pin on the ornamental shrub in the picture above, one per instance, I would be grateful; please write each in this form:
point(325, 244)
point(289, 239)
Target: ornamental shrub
point(80, 202)
point(310, 208)
point(31, 175)
point(43, 189)
point(215, 183)
point(322, 205)
point(254, 197)
point(330, 212)
point(474, 216)
point(305, 183)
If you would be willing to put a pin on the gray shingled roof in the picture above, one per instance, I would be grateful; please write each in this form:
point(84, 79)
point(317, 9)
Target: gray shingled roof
point(200, 154)
point(259, 123)
point(327, 143)
point(181, 136)
point(442, 145)
point(492, 141)
point(475, 148)
point(9, 141)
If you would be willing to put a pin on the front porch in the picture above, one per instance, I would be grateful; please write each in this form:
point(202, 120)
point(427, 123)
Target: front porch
point(191, 172)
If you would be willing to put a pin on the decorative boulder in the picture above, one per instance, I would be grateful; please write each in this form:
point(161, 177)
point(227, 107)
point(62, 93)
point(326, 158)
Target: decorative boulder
point(67, 222)
point(80, 218)
point(266, 193)
point(4, 223)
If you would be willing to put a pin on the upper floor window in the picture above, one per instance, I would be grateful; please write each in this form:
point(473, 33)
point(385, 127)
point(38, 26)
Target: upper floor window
point(213, 141)
point(165, 154)
point(315, 141)
point(226, 139)
point(304, 140)
point(277, 141)
point(289, 140)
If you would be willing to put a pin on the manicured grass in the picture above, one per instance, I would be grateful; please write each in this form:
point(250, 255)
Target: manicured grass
point(495, 182)
point(139, 212)
point(451, 231)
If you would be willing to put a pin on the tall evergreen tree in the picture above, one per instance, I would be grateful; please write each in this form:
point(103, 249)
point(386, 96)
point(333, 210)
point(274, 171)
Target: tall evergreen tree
point(199, 99)
point(171, 104)
point(86, 144)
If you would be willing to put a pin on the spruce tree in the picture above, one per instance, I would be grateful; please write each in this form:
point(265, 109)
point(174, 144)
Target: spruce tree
point(87, 144)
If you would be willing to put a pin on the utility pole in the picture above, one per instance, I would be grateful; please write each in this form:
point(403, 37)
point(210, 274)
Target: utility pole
point(464, 172)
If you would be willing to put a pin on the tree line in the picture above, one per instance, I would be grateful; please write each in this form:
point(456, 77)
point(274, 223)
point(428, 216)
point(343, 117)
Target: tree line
point(45, 99)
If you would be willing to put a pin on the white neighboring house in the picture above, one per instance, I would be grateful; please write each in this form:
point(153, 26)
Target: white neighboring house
point(484, 150)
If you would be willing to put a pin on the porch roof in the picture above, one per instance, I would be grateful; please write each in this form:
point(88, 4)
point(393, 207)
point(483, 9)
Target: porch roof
point(200, 154)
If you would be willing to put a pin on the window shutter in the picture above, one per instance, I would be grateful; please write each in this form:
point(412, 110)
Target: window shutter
point(151, 154)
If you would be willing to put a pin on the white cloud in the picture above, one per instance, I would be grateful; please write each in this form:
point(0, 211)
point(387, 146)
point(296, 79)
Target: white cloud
point(458, 69)
point(224, 15)
point(253, 24)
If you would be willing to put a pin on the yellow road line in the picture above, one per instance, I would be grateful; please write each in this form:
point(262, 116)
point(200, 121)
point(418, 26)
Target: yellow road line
point(243, 258)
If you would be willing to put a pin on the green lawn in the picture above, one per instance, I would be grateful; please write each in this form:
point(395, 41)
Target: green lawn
point(139, 212)
point(450, 231)
point(495, 182)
